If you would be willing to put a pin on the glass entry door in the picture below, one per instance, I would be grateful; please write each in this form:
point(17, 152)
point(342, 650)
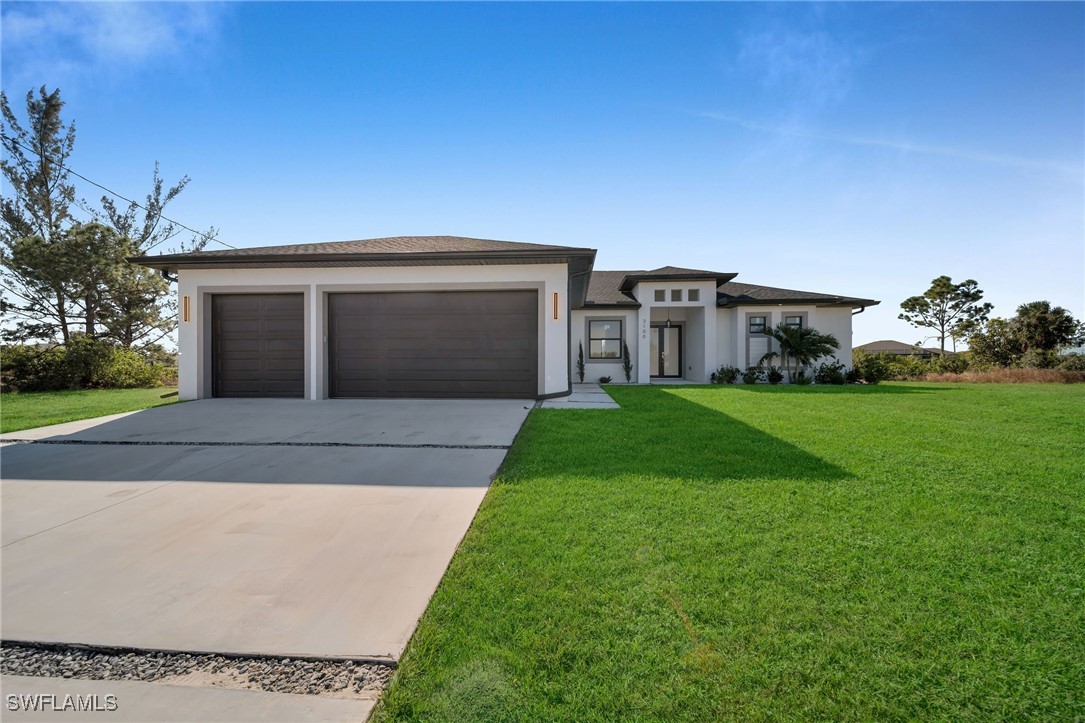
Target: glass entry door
point(666, 352)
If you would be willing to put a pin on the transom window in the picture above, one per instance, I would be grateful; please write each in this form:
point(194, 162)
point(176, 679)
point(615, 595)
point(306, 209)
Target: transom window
point(693, 294)
point(676, 294)
point(757, 324)
point(661, 294)
point(795, 322)
point(605, 339)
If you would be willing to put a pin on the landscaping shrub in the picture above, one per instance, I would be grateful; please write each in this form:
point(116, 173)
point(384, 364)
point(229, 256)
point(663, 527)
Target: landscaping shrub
point(830, 373)
point(627, 363)
point(774, 375)
point(871, 368)
point(81, 364)
point(752, 375)
point(604, 380)
point(802, 379)
point(725, 375)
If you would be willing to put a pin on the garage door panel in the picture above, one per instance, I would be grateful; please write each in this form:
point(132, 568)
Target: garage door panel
point(434, 344)
point(258, 345)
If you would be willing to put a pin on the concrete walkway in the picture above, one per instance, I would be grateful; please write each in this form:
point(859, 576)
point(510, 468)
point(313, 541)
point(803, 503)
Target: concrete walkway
point(585, 396)
point(139, 702)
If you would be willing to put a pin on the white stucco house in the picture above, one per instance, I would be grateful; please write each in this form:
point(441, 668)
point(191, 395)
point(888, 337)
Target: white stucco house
point(442, 316)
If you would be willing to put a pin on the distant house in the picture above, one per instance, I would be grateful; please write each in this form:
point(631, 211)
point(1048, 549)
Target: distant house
point(898, 348)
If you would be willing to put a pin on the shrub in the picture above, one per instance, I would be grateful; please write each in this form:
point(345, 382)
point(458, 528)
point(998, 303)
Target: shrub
point(725, 375)
point(871, 368)
point(752, 375)
point(830, 373)
point(775, 376)
point(627, 363)
point(580, 362)
point(802, 379)
point(82, 364)
point(604, 380)
point(1038, 359)
point(1073, 363)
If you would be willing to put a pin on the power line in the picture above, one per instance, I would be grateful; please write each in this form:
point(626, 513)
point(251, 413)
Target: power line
point(206, 236)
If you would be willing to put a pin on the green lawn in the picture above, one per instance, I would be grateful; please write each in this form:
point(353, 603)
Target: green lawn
point(37, 409)
point(900, 552)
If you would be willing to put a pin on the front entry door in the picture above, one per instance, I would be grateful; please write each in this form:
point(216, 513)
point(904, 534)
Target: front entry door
point(666, 351)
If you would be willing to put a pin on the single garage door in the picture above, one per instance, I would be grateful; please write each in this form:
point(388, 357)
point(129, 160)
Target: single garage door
point(258, 345)
point(434, 344)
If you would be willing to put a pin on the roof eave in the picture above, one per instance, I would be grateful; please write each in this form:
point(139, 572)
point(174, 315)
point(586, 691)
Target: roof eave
point(630, 282)
point(824, 301)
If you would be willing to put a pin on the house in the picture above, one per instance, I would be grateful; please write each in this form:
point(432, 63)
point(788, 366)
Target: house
point(898, 348)
point(443, 316)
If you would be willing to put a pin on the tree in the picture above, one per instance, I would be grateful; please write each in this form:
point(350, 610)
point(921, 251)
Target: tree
point(1043, 328)
point(143, 309)
point(1031, 338)
point(39, 209)
point(949, 309)
point(802, 345)
point(58, 272)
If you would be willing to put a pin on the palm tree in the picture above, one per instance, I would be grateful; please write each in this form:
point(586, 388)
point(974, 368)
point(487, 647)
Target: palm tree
point(802, 345)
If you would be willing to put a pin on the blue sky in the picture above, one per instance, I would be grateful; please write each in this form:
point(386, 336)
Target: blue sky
point(857, 149)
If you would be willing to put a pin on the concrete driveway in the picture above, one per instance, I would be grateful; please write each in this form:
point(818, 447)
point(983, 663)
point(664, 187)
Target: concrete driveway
point(244, 526)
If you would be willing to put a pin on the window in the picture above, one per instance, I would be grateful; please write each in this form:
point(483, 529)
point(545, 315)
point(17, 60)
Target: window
point(661, 295)
point(605, 339)
point(676, 294)
point(757, 325)
point(795, 322)
point(693, 294)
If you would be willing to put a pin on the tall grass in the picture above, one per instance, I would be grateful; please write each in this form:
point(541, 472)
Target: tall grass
point(1009, 376)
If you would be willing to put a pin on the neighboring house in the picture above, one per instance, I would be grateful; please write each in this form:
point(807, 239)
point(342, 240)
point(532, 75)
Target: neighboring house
point(443, 316)
point(899, 348)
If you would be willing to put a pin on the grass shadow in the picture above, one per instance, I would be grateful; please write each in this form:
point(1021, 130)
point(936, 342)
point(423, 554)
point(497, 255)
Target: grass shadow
point(657, 434)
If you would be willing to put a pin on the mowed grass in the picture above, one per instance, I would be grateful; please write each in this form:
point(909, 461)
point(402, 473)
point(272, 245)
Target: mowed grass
point(899, 552)
point(37, 409)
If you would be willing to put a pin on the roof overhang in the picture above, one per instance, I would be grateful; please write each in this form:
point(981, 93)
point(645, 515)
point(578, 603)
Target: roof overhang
point(630, 282)
point(580, 262)
point(826, 301)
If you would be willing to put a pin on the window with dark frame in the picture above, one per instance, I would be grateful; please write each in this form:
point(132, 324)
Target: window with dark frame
point(795, 322)
point(757, 324)
point(605, 339)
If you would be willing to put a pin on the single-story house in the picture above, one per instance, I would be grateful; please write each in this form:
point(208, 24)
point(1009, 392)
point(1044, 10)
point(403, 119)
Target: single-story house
point(899, 348)
point(443, 316)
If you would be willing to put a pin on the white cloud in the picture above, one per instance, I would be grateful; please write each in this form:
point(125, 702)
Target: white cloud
point(56, 42)
point(900, 145)
point(810, 67)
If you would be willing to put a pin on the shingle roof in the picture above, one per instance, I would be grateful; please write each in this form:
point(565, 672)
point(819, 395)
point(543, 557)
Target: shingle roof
point(388, 245)
point(604, 289)
point(734, 293)
point(889, 346)
point(672, 272)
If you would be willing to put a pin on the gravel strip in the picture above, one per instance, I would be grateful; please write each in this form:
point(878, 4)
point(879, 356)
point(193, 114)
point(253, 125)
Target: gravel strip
point(340, 679)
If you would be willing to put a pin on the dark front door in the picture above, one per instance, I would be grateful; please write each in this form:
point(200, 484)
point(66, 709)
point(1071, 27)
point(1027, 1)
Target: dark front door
point(258, 345)
point(434, 344)
point(666, 351)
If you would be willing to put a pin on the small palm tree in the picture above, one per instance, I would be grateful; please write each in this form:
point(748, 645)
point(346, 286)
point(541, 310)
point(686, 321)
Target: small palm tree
point(801, 345)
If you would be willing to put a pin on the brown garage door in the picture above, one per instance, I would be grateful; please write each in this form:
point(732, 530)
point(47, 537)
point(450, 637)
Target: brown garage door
point(258, 345)
point(434, 344)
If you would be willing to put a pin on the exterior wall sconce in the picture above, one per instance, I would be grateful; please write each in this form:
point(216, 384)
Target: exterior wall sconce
point(184, 309)
point(555, 305)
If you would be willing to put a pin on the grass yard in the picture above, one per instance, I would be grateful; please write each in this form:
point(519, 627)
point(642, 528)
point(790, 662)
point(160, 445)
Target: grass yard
point(37, 409)
point(899, 552)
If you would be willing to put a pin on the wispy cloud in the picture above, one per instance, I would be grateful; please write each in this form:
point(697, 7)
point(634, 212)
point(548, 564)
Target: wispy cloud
point(55, 42)
point(898, 145)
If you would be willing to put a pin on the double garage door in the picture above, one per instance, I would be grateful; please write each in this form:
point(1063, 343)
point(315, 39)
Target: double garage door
point(456, 344)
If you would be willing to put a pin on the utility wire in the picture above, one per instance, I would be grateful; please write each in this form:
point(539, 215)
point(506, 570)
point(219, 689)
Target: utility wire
point(123, 198)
